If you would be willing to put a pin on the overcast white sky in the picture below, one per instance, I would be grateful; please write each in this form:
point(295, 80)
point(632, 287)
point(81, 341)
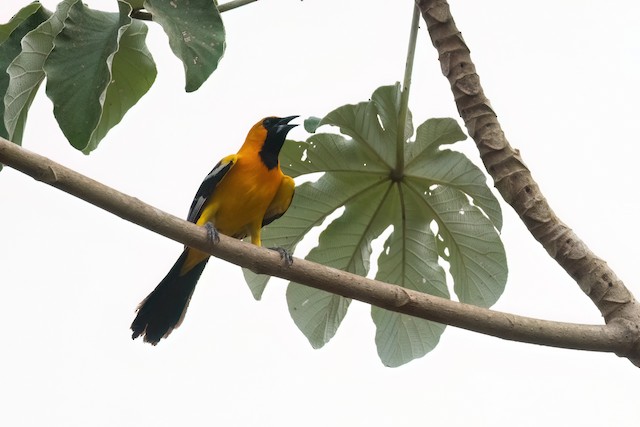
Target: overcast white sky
point(563, 78)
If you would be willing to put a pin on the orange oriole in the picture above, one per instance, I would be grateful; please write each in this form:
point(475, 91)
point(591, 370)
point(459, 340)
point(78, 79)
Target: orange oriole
point(243, 193)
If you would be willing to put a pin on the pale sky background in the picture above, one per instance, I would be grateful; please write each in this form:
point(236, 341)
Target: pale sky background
point(563, 78)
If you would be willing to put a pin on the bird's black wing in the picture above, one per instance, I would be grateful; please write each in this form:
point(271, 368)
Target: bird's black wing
point(208, 186)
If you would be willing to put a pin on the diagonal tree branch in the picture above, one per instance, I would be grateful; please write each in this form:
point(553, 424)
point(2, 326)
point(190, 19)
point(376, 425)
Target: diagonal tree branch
point(615, 337)
point(513, 179)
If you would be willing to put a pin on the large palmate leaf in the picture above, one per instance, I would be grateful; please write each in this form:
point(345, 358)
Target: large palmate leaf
point(439, 206)
point(98, 69)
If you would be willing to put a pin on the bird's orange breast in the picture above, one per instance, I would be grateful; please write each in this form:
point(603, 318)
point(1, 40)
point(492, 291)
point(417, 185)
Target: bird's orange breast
point(240, 200)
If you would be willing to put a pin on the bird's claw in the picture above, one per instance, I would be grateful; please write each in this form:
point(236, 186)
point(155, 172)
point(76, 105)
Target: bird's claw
point(284, 254)
point(212, 233)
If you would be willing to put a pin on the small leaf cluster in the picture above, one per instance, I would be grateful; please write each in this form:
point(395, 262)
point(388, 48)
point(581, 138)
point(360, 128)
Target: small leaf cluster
point(96, 64)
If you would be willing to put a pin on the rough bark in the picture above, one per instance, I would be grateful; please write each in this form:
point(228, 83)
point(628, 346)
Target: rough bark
point(515, 183)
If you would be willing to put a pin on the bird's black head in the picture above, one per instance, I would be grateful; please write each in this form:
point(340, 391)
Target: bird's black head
point(277, 129)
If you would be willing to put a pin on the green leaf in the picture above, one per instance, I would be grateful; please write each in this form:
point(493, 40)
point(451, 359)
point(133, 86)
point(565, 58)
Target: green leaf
point(317, 313)
point(196, 35)
point(20, 18)
point(409, 259)
point(132, 74)
point(98, 69)
point(476, 255)
point(325, 152)
point(256, 282)
point(436, 187)
point(372, 124)
point(26, 72)
point(431, 135)
point(311, 124)
point(426, 162)
point(344, 244)
point(11, 34)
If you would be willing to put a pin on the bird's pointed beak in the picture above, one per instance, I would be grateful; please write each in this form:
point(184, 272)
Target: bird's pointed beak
point(286, 120)
point(283, 127)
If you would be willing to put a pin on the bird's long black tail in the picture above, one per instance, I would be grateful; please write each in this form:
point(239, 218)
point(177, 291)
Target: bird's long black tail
point(164, 308)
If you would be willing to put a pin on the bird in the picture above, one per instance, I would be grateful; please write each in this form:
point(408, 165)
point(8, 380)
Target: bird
point(242, 193)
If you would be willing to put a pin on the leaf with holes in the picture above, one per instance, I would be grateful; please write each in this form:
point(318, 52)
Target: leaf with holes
point(438, 207)
point(196, 35)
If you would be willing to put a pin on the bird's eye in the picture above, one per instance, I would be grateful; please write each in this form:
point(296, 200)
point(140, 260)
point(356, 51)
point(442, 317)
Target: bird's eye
point(268, 122)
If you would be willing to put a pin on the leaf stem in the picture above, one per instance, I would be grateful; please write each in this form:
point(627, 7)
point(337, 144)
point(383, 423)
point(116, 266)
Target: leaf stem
point(404, 96)
point(233, 4)
point(146, 16)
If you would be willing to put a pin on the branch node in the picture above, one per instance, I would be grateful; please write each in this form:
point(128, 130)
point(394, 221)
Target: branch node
point(48, 175)
point(628, 331)
point(470, 85)
point(440, 12)
point(401, 297)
